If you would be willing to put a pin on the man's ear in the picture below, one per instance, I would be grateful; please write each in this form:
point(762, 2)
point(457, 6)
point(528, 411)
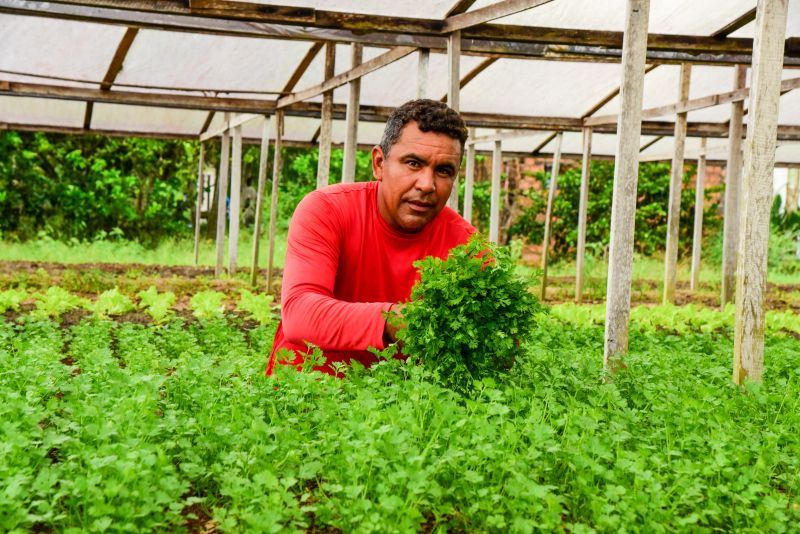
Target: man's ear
point(377, 162)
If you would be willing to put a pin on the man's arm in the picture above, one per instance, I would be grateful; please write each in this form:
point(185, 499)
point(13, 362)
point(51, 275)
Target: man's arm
point(310, 312)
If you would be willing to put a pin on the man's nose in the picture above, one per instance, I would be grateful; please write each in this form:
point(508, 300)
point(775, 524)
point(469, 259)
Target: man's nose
point(425, 181)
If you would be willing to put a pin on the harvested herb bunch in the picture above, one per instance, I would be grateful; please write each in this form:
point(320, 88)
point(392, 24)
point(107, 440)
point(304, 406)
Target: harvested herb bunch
point(468, 314)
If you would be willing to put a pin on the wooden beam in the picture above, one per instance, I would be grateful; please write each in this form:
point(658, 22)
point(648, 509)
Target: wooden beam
point(302, 67)
point(454, 95)
point(650, 143)
point(548, 215)
point(737, 23)
point(675, 183)
point(277, 169)
point(113, 70)
point(583, 203)
point(422, 72)
point(469, 178)
point(337, 81)
point(759, 158)
point(494, 207)
point(504, 40)
point(262, 180)
point(462, 6)
point(694, 104)
point(326, 120)
point(500, 9)
point(207, 123)
point(87, 115)
point(236, 206)
point(238, 120)
point(733, 186)
point(482, 66)
point(610, 96)
point(198, 202)
point(222, 197)
point(699, 205)
point(351, 122)
point(544, 143)
point(626, 170)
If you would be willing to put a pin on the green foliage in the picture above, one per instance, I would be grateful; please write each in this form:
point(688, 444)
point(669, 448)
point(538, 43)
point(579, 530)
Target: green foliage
point(111, 302)
point(208, 304)
point(56, 301)
point(258, 306)
point(10, 299)
point(651, 209)
point(468, 314)
point(156, 305)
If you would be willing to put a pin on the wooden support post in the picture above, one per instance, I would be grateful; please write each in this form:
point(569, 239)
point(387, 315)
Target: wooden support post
point(759, 158)
point(626, 170)
point(351, 119)
point(199, 203)
point(422, 72)
point(277, 168)
point(583, 204)
point(551, 195)
point(675, 185)
point(262, 180)
point(235, 215)
point(733, 179)
point(326, 122)
point(494, 207)
point(792, 190)
point(222, 196)
point(453, 94)
point(699, 205)
point(469, 178)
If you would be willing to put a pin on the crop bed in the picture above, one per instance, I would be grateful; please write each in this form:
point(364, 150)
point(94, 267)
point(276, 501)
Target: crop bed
point(168, 423)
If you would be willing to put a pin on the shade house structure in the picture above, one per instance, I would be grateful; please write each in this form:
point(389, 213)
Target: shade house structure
point(628, 80)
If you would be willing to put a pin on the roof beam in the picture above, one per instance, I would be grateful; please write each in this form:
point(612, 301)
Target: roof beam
point(237, 120)
point(462, 6)
point(495, 11)
point(302, 67)
point(693, 104)
point(472, 74)
point(114, 69)
point(357, 72)
point(736, 24)
point(496, 39)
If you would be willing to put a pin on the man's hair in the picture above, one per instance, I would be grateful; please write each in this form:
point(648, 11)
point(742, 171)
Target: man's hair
point(430, 116)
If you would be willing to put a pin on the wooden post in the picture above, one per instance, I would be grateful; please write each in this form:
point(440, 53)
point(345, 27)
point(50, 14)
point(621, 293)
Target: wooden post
point(759, 158)
point(199, 203)
point(453, 94)
point(792, 190)
point(351, 119)
point(469, 178)
point(277, 167)
point(626, 169)
point(236, 194)
point(733, 179)
point(699, 205)
point(326, 124)
point(222, 195)
point(583, 204)
point(494, 208)
point(551, 195)
point(262, 179)
point(675, 186)
point(422, 72)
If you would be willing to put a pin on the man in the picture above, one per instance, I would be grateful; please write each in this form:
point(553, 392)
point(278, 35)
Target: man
point(351, 247)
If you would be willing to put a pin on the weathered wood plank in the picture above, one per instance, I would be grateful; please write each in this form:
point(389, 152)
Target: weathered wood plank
point(236, 195)
point(422, 72)
point(262, 180)
point(548, 216)
point(454, 95)
point(491, 12)
point(675, 186)
point(792, 190)
point(583, 203)
point(759, 158)
point(699, 205)
point(469, 178)
point(198, 202)
point(238, 120)
point(222, 196)
point(480, 67)
point(326, 120)
point(733, 179)
point(626, 169)
point(351, 120)
point(302, 67)
point(494, 206)
point(277, 169)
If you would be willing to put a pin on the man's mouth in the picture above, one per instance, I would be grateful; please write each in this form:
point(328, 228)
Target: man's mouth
point(420, 206)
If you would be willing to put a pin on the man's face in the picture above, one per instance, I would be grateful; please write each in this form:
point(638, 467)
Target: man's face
point(416, 178)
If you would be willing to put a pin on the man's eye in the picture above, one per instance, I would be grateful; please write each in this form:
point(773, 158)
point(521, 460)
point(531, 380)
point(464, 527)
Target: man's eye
point(413, 164)
point(445, 172)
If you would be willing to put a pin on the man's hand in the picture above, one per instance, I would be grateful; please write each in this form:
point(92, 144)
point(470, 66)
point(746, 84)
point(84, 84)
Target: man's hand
point(394, 322)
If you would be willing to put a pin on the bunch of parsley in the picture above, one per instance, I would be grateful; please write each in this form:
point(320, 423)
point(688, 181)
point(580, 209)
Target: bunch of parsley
point(468, 314)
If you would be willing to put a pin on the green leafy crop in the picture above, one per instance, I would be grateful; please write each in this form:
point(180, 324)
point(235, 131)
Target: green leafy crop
point(56, 301)
point(111, 302)
point(10, 299)
point(258, 306)
point(208, 304)
point(468, 314)
point(156, 305)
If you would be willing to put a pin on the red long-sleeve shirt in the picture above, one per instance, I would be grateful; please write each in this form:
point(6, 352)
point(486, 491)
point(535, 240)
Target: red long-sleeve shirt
point(345, 266)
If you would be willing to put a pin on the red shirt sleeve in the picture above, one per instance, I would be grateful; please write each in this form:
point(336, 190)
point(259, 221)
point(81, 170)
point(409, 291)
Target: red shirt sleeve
point(311, 313)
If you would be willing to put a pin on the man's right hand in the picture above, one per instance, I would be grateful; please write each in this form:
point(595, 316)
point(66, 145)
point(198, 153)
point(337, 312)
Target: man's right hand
point(394, 322)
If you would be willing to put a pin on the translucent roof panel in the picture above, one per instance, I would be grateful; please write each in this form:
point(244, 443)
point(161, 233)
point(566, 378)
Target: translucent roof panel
point(41, 111)
point(435, 9)
point(539, 88)
point(788, 153)
point(670, 17)
point(792, 23)
point(76, 50)
point(210, 62)
point(147, 119)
